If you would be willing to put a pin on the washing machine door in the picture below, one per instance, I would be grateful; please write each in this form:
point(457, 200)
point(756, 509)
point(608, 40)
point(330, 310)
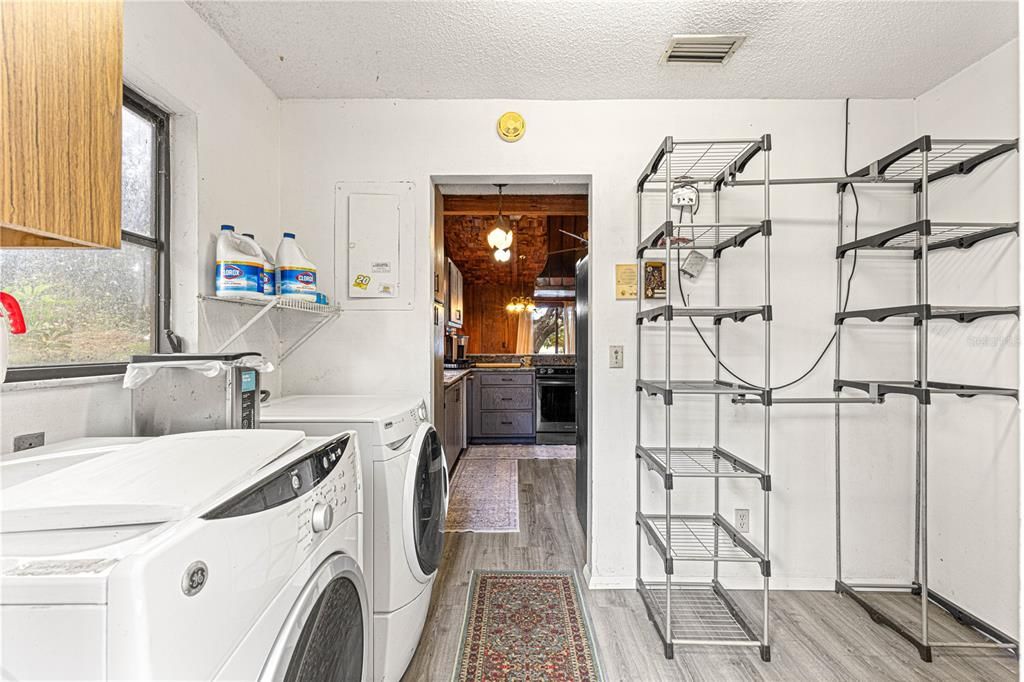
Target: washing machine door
point(325, 637)
point(426, 503)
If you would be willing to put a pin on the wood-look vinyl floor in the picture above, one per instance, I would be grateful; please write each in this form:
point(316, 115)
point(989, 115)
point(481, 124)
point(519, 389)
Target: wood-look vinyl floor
point(816, 635)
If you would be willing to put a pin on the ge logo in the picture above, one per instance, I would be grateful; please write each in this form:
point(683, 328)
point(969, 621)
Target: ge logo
point(194, 579)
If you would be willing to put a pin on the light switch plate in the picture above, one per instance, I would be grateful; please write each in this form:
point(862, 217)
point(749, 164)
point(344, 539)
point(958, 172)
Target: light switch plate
point(615, 354)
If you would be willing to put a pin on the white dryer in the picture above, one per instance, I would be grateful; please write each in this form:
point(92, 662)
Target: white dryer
point(215, 555)
point(407, 479)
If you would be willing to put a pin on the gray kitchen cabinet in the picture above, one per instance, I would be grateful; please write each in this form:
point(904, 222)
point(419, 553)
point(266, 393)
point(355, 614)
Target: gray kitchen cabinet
point(454, 421)
point(502, 407)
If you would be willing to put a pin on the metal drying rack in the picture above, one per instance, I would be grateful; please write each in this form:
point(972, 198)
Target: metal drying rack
point(691, 613)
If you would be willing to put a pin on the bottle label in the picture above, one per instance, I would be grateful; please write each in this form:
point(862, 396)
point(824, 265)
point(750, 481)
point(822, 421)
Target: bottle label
point(296, 280)
point(234, 276)
point(268, 282)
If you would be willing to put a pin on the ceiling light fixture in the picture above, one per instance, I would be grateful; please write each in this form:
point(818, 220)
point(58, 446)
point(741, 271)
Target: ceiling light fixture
point(500, 238)
point(520, 304)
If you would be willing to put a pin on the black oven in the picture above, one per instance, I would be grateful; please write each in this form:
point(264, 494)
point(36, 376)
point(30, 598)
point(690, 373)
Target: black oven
point(556, 405)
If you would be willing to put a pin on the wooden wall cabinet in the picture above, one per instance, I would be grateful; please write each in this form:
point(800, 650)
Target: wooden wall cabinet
point(60, 123)
point(456, 303)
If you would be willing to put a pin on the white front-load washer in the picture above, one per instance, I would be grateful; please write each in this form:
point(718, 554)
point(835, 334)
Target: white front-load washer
point(215, 555)
point(407, 479)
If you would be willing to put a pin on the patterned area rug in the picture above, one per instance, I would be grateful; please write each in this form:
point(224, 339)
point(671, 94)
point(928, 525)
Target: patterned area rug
point(484, 497)
point(526, 625)
point(520, 452)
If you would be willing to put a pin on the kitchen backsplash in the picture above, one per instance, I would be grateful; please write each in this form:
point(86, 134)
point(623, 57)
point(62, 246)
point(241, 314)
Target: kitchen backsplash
point(537, 359)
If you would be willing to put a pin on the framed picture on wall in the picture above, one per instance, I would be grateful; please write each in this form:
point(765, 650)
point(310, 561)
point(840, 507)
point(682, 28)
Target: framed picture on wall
point(654, 279)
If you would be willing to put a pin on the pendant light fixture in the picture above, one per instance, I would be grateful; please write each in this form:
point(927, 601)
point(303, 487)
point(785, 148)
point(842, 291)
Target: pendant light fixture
point(500, 238)
point(520, 304)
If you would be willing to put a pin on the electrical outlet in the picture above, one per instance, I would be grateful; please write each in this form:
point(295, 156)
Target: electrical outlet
point(27, 441)
point(615, 357)
point(743, 520)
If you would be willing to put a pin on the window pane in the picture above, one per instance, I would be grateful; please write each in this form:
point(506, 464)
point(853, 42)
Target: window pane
point(81, 305)
point(548, 331)
point(137, 186)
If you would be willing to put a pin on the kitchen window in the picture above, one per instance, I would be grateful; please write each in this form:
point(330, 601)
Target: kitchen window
point(89, 310)
point(553, 329)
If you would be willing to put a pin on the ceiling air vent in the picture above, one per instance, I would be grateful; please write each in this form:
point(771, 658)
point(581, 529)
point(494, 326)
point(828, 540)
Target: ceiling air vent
point(701, 49)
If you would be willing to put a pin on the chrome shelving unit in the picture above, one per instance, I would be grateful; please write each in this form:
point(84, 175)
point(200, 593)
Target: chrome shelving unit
point(919, 163)
point(689, 613)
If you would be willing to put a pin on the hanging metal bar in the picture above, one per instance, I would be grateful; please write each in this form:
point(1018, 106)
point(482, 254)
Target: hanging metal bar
point(835, 180)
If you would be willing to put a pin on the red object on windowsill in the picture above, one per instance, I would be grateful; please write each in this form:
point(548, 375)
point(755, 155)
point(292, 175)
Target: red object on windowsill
point(12, 312)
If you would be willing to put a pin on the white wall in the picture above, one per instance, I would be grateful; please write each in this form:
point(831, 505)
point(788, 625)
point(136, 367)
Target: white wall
point(974, 455)
point(225, 157)
point(324, 142)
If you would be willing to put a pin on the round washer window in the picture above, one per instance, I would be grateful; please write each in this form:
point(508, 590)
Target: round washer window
point(428, 503)
point(330, 648)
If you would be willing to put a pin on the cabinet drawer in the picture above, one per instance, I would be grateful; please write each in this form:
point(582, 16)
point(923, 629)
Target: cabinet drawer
point(506, 378)
point(506, 423)
point(506, 398)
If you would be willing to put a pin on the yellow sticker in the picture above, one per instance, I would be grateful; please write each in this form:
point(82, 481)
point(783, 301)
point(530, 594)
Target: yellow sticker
point(361, 282)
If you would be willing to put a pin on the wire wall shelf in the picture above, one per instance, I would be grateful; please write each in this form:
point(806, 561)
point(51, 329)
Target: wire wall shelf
point(942, 235)
point(292, 331)
point(684, 613)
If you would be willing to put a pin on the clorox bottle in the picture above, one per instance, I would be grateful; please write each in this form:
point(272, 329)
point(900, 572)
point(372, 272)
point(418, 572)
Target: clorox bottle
point(269, 287)
point(239, 266)
point(296, 274)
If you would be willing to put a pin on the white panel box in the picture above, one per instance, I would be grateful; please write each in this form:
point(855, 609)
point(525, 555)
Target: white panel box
point(374, 237)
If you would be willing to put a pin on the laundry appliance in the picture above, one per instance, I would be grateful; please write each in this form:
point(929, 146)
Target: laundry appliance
point(406, 484)
point(215, 555)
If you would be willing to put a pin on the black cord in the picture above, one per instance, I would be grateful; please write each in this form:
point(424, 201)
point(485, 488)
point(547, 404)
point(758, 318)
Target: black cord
point(849, 280)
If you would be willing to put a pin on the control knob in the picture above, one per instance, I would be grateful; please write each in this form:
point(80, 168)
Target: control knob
point(322, 517)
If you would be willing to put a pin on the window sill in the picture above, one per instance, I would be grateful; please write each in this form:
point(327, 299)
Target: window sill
point(68, 382)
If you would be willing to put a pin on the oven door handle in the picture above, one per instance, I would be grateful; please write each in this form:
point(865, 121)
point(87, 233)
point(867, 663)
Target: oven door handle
point(556, 382)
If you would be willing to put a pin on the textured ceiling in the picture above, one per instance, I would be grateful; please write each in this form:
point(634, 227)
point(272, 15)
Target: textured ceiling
point(537, 49)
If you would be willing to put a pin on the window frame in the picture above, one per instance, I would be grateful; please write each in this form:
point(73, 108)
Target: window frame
point(160, 243)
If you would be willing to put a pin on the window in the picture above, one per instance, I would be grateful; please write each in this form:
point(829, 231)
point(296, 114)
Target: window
point(552, 329)
point(89, 310)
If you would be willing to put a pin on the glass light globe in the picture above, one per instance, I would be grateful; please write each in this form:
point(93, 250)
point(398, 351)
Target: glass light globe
point(502, 255)
point(496, 238)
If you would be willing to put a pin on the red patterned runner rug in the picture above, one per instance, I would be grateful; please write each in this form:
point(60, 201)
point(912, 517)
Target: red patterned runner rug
point(526, 625)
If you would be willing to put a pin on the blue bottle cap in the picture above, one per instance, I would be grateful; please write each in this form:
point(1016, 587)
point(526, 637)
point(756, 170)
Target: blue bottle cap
point(289, 235)
point(230, 228)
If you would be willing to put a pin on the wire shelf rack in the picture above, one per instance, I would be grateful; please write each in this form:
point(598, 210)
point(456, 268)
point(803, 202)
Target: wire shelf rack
point(698, 161)
point(716, 238)
point(945, 157)
point(700, 538)
point(717, 314)
point(685, 613)
point(927, 311)
point(700, 614)
point(292, 332)
point(941, 235)
point(923, 395)
point(712, 462)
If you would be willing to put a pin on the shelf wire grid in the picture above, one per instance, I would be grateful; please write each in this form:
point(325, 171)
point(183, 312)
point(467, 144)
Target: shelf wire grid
point(693, 539)
point(698, 613)
point(943, 155)
point(700, 462)
point(700, 161)
point(943, 232)
point(687, 236)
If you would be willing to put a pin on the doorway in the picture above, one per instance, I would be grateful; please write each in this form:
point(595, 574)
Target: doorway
point(508, 344)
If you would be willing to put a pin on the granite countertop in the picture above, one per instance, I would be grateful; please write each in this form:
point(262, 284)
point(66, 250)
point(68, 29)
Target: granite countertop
point(452, 376)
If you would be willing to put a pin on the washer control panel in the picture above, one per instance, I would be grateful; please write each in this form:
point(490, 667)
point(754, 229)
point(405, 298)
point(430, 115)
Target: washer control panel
point(327, 475)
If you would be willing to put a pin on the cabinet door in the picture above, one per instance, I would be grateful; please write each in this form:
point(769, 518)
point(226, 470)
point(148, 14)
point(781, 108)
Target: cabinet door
point(460, 441)
point(440, 270)
point(60, 141)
